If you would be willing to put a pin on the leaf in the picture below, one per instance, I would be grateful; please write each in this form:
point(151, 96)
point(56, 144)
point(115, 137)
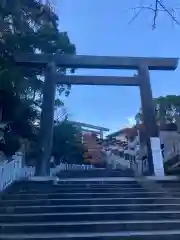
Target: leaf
point(58, 103)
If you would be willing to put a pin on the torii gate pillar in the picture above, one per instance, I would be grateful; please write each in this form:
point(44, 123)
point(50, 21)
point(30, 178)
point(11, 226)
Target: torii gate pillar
point(155, 158)
point(45, 140)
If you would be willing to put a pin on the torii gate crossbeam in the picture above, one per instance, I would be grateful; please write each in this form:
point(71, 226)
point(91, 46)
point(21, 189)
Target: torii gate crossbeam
point(96, 62)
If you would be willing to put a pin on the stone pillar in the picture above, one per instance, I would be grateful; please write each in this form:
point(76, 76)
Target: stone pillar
point(151, 130)
point(1, 113)
point(157, 156)
point(101, 134)
point(178, 123)
point(47, 122)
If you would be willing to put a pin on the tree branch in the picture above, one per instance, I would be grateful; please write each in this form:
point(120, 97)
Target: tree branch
point(168, 12)
point(158, 7)
point(155, 15)
point(136, 15)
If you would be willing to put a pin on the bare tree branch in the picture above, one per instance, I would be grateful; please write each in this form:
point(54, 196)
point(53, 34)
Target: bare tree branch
point(168, 12)
point(136, 15)
point(155, 15)
point(157, 7)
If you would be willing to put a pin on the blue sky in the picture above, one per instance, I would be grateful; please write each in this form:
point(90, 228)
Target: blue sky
point(98, 27)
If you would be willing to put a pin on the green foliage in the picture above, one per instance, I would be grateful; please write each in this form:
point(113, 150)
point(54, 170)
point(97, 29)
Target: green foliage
point(67, 143)
point(20, 116)
point(11, 145)
point(27, 26)
point(166, 108)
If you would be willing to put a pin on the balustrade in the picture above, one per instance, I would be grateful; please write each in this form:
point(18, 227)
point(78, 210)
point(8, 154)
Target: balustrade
point(14, 170)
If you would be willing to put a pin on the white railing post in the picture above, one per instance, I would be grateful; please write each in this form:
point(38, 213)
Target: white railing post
point(10, 172)
point(13, 171)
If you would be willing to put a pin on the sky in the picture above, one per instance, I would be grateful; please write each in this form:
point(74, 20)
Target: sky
point(98, 27)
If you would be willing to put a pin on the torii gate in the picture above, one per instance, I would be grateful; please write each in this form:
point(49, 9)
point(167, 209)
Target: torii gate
point(96, 129)
point(142, 80)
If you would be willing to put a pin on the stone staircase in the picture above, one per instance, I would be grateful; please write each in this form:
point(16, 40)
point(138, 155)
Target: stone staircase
point(97, 173)
point(94, 208)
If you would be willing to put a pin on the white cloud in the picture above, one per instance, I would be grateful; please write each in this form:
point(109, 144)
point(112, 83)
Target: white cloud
point(131, 121)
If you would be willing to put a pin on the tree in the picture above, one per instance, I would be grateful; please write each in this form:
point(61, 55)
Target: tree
point(167, 109)
point(27, 26)
point(170, 8)
point(67, 143)
point(20, 118)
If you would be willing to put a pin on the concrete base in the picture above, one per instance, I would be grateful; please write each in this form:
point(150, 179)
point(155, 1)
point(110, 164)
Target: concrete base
point(158, 161)
point(43, 178)
point(163, 178)
point(122, 179)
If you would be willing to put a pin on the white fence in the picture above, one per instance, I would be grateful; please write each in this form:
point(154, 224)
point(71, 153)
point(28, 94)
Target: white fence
point(66, 167)
point(13, 171)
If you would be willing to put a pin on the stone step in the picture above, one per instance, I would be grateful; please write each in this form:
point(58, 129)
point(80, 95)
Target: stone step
point(91, 226)
point(132, 235)
point(95, 173)
point(169, 182)
point(100, 183)
point(83, 195)
point(71, 186)
point(78, 185)
point(88, 208)
point(48, 186)
point(113, 181)
point(79, 190)
point(77, 181)
point(86, 201)
point(172, 185)
point(90, 216)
